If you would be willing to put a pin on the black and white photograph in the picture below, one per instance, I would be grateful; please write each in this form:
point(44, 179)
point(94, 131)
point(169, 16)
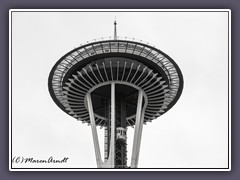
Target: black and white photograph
point(120, 90)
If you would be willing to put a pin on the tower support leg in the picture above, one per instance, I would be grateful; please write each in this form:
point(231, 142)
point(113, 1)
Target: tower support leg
point(138, 131)
point(111, 157)
point(94, 131)
point(110, 163)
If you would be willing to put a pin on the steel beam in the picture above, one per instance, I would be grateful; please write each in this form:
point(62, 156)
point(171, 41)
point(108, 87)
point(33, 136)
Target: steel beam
point(94, 131)
point(137, 131)
point(112, 141)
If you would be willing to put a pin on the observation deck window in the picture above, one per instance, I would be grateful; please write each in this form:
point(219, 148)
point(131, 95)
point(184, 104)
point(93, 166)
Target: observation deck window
point(138, 49)
point(98, 48)
point(90, 50)
point(152, 55)
point(145, 52)
point(76, 56)
point(83, 53)
point(114, 46)
point(130, 47)
point(106, 47)
point(122, 46)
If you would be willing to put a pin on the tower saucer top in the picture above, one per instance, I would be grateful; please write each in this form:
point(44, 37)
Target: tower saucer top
point(107, 59)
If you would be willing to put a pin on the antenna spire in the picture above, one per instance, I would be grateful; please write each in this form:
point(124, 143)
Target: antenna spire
point(115, 29)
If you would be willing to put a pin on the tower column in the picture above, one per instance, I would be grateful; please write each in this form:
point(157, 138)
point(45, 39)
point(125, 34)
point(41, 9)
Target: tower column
point(94, 131)
point(110, 163)
point(138, 130)
point(112, 140)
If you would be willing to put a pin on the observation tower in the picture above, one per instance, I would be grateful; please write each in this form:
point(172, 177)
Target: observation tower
point(115, 83)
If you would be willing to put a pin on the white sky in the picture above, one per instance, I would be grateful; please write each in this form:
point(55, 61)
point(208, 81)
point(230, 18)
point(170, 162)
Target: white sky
point(193, 134)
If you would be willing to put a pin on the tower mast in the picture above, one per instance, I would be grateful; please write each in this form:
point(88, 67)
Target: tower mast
point(115, 29)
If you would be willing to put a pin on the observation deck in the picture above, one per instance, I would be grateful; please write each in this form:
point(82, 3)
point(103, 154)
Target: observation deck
point(132, 65)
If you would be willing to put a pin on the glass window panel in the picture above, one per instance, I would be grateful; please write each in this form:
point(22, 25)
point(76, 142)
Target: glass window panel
point(105, 45)
point(175, 82)
point(106, 50)
point(114, 45)
point(138, 48)
point(92, 53)
point(155, 60)
point(150, 56)
point(74, 62)
point(69, 60)
point(160, 57)
point(78, 57)
point(165, 60)
point(90, 50)
point(155, 53)
point(83, 53)
point(74, 53)
point(98, 48)
point(130, 47)
point(81, 50)
point(145, 51)
point(122, 46)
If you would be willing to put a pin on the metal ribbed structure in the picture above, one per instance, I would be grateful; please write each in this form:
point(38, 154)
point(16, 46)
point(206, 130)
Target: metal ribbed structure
point(115, 60)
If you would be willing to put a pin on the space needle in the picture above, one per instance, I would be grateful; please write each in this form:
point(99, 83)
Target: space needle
point(115, 83)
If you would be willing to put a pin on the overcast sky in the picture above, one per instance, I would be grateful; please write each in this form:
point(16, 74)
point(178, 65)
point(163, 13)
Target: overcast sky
point(193, 134)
